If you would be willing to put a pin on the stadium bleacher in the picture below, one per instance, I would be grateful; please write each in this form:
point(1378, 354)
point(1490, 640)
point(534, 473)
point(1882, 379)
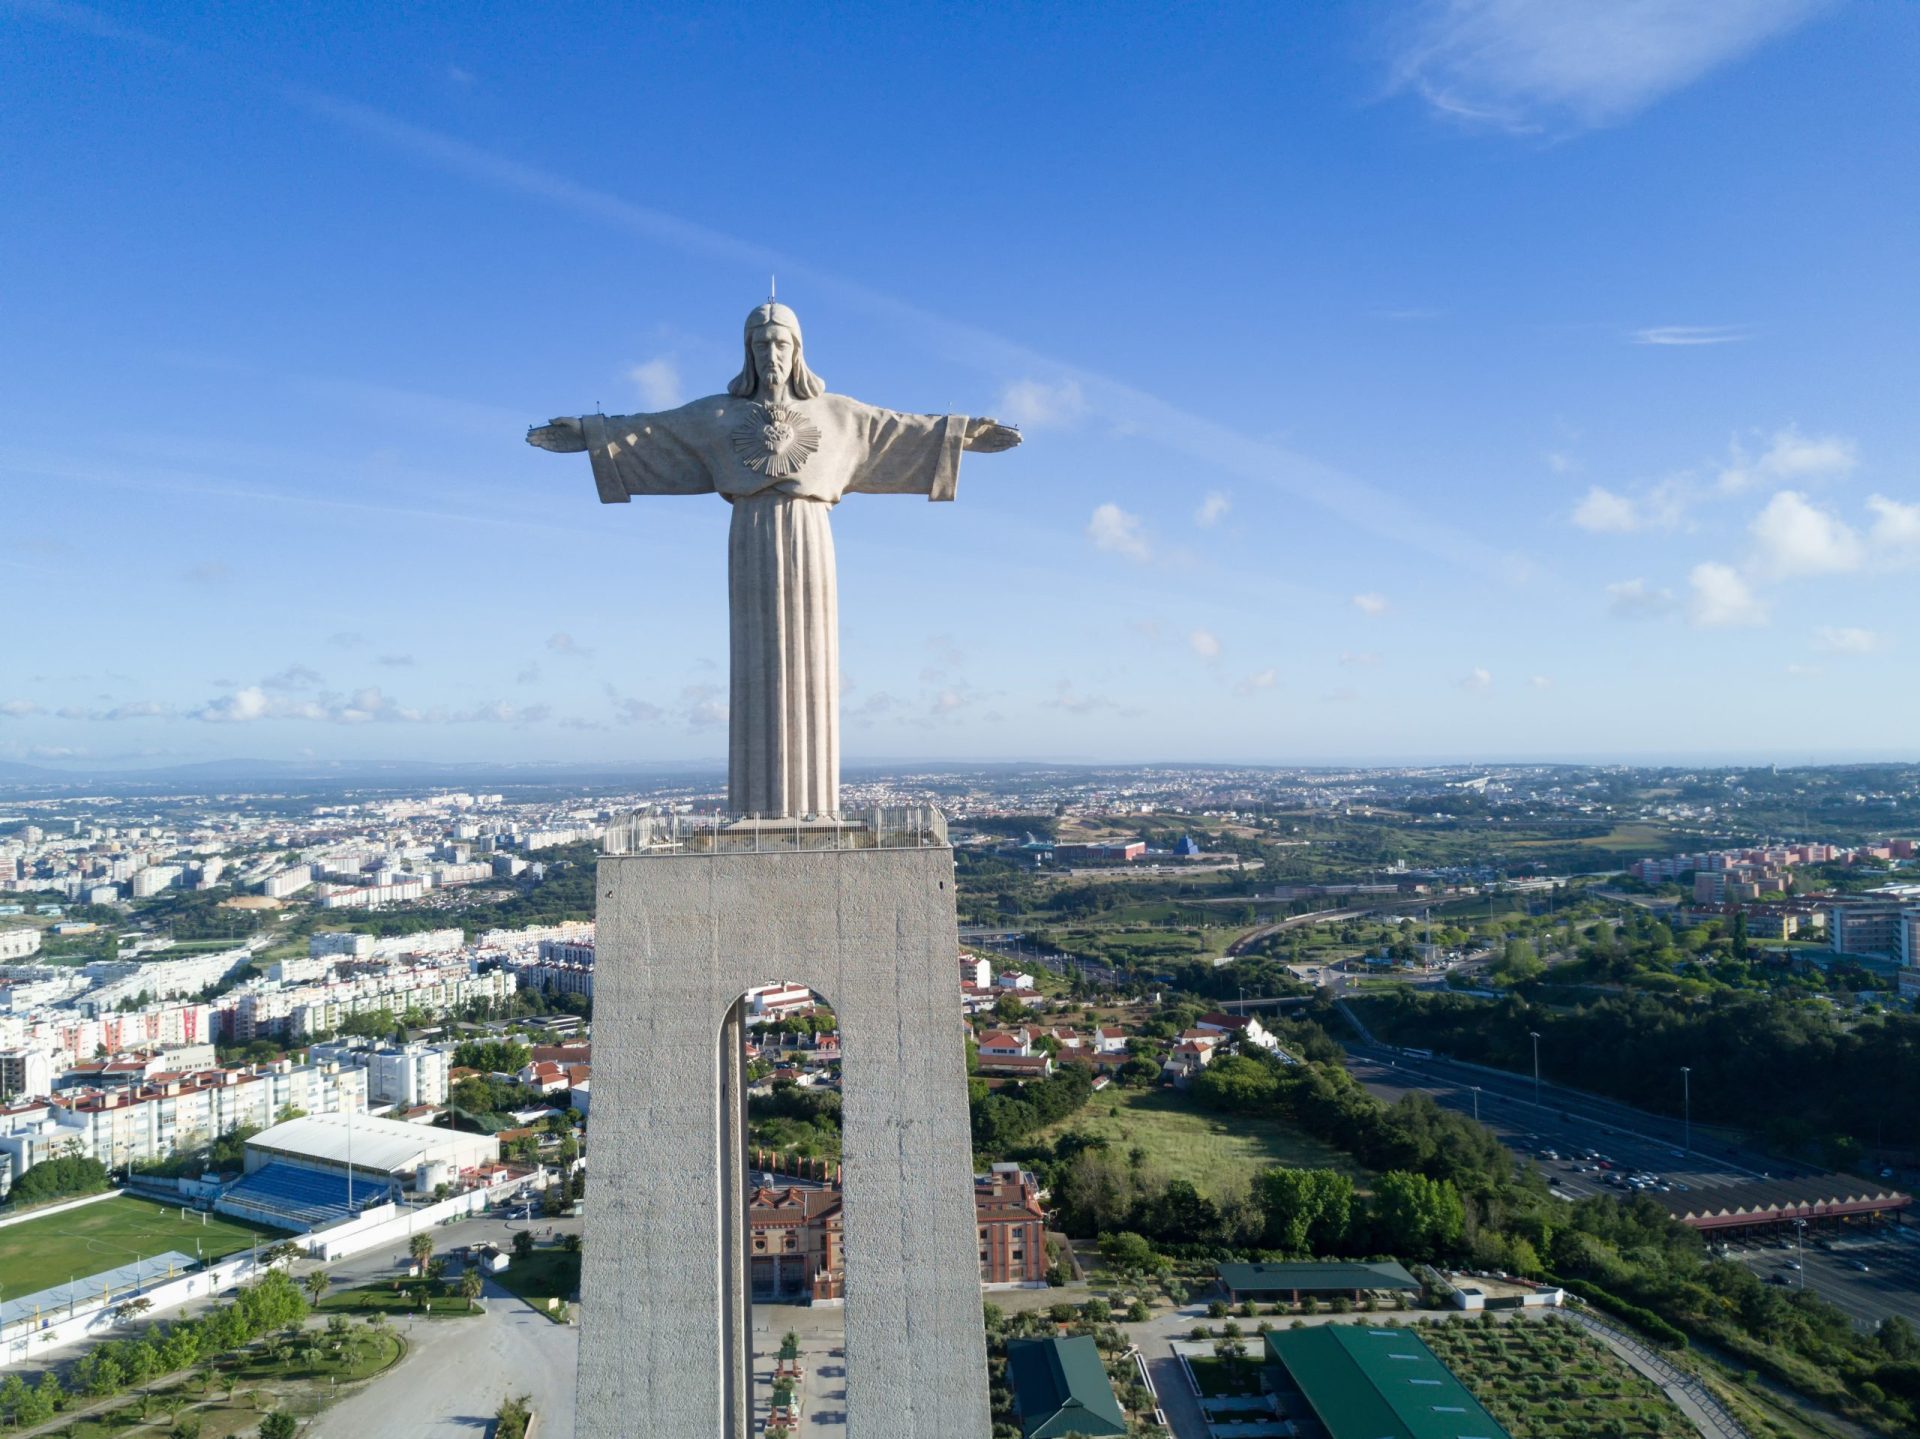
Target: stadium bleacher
point(294, 1198)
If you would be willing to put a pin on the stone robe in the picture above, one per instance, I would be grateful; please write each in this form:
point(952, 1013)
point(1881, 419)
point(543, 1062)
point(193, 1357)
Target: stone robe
point(782, 468)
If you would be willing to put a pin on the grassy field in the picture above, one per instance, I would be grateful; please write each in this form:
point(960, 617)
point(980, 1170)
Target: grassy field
point(395, 1299)
point(544, 1274)
point(1216, 1152)
point(44, 1252)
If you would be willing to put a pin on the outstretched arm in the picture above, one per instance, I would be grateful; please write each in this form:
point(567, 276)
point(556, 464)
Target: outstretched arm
point(989, 437)
point(562, 435)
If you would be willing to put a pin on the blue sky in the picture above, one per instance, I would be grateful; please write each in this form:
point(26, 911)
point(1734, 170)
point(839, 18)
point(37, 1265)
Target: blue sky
point(1400, 382)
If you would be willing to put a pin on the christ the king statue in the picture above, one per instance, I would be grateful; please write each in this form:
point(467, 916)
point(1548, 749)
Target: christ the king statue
point(782, 451)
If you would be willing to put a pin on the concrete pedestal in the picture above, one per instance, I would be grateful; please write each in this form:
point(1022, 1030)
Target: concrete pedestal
point(664, 1287)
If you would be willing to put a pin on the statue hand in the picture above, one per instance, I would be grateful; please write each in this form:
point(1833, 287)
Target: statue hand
point(562, 436)
point(990, 437)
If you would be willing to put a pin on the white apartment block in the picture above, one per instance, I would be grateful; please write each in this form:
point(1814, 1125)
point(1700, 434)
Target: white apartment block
point(155, 878)
point(18, 944)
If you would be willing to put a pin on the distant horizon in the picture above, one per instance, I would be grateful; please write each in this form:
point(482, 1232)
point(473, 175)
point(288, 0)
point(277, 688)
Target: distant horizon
point(853, 768)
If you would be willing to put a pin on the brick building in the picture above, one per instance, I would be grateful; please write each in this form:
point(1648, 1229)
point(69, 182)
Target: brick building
point(796, 1253)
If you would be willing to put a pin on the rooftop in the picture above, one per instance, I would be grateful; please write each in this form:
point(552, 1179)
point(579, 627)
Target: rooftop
point(1331, 1274)
point(1367, 1383)
point(1061, 1387)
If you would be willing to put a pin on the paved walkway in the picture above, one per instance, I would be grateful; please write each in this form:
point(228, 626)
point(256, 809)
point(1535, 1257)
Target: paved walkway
point(458, 1371)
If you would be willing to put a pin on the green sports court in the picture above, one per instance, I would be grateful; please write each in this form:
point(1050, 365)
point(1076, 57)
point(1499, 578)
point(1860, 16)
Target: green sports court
point(41, 1253)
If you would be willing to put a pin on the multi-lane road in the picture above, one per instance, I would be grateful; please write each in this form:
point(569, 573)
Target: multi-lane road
point(1635, 1142)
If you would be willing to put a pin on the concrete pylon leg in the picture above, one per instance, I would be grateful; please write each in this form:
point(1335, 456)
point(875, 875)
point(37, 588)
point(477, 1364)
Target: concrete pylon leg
point(664, 1291)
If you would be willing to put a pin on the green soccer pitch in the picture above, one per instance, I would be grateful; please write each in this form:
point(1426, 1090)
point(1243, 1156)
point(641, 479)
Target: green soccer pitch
point(41, 1253)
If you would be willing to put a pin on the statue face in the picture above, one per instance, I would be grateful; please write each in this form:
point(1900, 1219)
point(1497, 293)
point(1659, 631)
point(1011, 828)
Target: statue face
point(773, 347)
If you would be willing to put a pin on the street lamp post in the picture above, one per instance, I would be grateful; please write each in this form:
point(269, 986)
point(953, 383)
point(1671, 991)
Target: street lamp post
point(1800, 1249)
point(1686, 1105)
point(1476, 1103)
point(1534, 1035)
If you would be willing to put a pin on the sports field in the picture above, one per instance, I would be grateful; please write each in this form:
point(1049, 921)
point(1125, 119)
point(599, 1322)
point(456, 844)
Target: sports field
point(44, 1252)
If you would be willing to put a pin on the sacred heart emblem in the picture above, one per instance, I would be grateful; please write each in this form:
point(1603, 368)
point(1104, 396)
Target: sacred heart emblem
point(775, 441)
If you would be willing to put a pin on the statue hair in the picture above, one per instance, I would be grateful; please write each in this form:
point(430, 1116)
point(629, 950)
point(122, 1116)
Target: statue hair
point(803, 383)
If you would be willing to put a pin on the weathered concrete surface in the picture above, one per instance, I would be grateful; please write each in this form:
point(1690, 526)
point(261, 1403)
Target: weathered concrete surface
point(681, 936)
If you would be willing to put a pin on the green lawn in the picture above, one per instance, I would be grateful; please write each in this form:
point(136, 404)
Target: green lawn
point(51, 1250)
point(386, 1299)
point(1214, 1151)
point(544, 1274)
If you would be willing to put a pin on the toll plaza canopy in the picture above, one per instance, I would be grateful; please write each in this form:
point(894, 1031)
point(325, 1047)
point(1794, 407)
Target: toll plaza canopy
point(1782, 1201)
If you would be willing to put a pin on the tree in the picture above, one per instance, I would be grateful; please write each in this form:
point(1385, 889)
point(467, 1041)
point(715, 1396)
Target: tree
point(471, 1284)
point(1238, 1084)
point(318, 1283)
point(278, 1425)
point(522, 1243)
point(1306, 1210)
point(420, 1249)
point(1416, 1215)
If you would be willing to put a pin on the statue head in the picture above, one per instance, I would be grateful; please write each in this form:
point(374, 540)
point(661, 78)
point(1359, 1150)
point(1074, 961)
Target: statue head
point(772, 339)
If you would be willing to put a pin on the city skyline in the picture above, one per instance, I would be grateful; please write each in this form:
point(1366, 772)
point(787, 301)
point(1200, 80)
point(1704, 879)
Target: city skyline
point(1360, 433)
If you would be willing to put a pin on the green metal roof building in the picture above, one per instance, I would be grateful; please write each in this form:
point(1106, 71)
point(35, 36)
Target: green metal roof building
point(1266, 1281)
point(1060, 1387)
point(1366, 1383)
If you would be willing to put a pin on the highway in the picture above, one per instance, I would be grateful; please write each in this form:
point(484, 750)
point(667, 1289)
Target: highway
point(1635, 1142)
point(1567, 1121)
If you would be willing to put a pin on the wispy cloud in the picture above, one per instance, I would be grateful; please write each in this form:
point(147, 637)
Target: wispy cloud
point(1204, 643)
point(1846, 640)
point(562, 643)
point(1602, 512)
point(1371, 604)
point(1212, 509)
point(1790, 457)
point(21, 709)
point(1477, 678)
point(657, 383)
point(1038, 405)
point(1259, 680)
point(1527, 66)
point(1684, 335)
point(1637, 600)
point(1118, 532)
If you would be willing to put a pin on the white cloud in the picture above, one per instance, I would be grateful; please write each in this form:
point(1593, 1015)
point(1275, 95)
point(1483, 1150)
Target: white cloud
point(1790, 456)
point(1522, 65)
point(20, 709)
point(1204, 643)
point(1686, 335)
point(1359, 659)
point(1037, 404)
point(1794, 537)
point(1118, 532)
point(637, 711)
point(1212, 508)
point(1477, 678)
point(562, 643)
point(1721, 599)
point(1260, 680)
point(657, 382)
point(395, 662)
point(1370, 604)
point(1637, 600)
point(1846, 640)
point(1603, 512)
point(1541, 682)
point(1896, 529)
point(1560, 462)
